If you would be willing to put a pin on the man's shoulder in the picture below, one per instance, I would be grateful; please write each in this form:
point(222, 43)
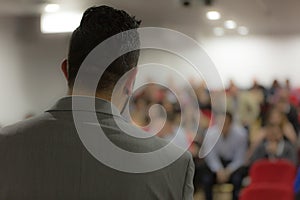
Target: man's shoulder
point(21, 127)
point(127, 137)
point(135, 139)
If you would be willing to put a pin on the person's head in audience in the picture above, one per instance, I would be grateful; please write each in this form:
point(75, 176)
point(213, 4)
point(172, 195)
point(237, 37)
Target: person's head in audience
point(283, 103)
point(227, 124)
point(276, 117)
point(274, 132)
point(97, 25)
point(255, 83)
point(168, 127)
point(139, 111)
point(233, 90)
point(288, 84)
point(275, 84)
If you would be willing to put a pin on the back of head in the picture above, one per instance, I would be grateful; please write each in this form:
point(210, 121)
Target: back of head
point(97, 25)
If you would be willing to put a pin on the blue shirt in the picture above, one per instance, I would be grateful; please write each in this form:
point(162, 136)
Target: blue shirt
point(233, 148)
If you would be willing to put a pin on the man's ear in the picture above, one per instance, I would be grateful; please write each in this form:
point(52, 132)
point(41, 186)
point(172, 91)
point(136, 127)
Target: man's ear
point(130, 81)
point(64, 68)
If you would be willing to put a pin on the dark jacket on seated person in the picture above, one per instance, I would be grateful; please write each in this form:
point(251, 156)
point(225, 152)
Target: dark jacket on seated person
point(281, 149)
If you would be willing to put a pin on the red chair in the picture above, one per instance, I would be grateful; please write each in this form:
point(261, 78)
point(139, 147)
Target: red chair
point(275, 172)
point(270, 180)
point(267, 192)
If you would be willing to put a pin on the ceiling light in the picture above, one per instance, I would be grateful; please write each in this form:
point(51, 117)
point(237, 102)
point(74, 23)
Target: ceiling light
point(218, 31)
point(60, 22)
point(50, 8)
point(230, 24)
point(213, 15)
point(242, 30)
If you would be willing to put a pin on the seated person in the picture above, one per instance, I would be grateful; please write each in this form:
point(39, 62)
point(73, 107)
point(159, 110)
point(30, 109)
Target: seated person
point(276, 117)
point(225, 160)
point(274, 146)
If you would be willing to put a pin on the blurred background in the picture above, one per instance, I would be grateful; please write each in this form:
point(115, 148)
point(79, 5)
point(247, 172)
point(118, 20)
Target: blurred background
point(255, 46)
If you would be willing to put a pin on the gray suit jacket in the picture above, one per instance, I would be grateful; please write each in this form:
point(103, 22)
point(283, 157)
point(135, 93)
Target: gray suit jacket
point(44, 158)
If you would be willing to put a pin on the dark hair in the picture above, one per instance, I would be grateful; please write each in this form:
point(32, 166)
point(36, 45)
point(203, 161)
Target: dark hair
point(229, 116)
point(98, 24)
point(266, 120)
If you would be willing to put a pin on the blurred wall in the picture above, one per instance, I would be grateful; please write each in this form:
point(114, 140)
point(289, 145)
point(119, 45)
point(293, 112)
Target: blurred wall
point(242, 58)
point(12, 104)
point(30, 74)
point(262, 57)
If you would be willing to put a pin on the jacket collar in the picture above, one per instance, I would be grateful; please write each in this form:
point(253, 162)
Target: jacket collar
point(83, 103)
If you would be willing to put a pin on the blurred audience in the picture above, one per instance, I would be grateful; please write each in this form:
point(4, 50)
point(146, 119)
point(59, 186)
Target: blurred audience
point(261, 122)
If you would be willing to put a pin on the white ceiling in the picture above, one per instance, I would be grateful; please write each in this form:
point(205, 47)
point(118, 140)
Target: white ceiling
point(268, 17)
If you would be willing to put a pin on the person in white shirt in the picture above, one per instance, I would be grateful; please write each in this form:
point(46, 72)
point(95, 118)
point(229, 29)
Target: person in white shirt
point(225, 160)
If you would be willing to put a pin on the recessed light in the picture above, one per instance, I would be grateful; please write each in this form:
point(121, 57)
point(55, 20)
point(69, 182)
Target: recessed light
point(243, 30)
point(218, 31)
point(50, 8)
point(60, 22)
point(213, 15)
point(230, 24)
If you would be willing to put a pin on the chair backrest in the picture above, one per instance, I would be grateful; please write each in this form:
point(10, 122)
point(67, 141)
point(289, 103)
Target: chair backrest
point(275, 172)
point(266, 192)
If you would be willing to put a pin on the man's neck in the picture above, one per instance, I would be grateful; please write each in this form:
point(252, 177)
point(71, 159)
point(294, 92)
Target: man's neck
point(101, 95)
